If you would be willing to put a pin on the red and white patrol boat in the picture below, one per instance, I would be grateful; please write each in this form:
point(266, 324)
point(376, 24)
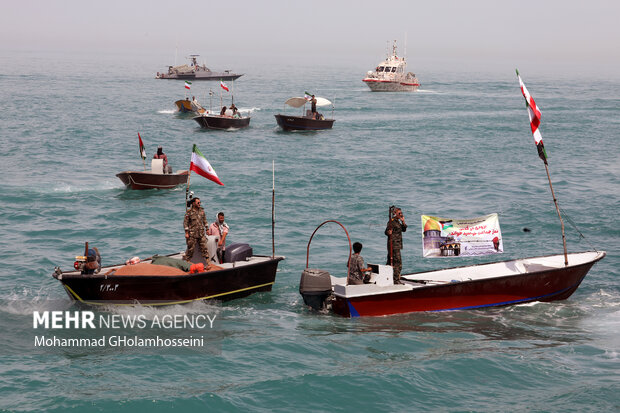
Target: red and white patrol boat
point(391, 75)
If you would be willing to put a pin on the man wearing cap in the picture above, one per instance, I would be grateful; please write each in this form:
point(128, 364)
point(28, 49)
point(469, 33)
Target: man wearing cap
point(195, 224)
point(394, 231)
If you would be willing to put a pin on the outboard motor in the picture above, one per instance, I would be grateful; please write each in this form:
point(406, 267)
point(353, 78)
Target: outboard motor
point(237, 252)
point(315, 287)
point(90, 262)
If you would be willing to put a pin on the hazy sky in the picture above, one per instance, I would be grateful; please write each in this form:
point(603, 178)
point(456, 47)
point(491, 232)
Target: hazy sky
point(582, 33)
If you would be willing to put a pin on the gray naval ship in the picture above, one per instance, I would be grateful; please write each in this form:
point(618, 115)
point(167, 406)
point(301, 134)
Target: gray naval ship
point(194, 71)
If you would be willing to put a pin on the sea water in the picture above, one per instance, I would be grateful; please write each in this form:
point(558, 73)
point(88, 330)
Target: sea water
point(459, 147)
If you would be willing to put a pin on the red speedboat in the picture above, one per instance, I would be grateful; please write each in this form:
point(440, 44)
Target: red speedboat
point(461, 288)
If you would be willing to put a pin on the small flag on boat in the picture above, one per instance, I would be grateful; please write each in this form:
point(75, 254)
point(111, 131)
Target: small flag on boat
point(142, 148)
point(535, 114)
point(307, 96)
point(202, 167)
point(223, 85)
point(188, 85)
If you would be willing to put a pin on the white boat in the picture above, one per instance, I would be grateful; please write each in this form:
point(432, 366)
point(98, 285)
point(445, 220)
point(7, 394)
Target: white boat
point(391, 75)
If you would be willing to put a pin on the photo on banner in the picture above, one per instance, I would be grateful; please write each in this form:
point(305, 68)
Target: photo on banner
point(446, 237)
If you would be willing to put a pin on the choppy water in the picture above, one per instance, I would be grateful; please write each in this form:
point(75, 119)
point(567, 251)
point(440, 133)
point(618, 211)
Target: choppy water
point(460, 147)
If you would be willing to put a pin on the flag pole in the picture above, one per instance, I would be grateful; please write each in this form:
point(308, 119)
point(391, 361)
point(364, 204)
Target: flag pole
point(557, 208)
point(189, 175)
point(534, 114)
point(273, 208)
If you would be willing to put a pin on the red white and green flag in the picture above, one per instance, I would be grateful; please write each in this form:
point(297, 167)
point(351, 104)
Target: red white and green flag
point(188, 85)
point(223, 85)
point(535, 114)
point(202, 167)
point(142, 148)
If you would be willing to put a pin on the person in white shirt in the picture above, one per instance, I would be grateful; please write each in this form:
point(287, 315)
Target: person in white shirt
point(220, 229)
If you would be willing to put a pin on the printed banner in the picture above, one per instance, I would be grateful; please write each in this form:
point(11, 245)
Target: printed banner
point(444, 237)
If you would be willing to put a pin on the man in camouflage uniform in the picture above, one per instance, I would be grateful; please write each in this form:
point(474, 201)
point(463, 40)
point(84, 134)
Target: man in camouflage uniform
point(195, 223)
point(394, 231)
point(356, 266)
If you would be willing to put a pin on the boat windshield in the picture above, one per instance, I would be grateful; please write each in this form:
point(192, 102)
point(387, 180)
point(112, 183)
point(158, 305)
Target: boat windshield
point(380, 69)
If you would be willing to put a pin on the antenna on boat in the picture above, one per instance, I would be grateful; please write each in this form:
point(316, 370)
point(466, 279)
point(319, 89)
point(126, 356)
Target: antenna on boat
point(405, 51)
point(273, 208)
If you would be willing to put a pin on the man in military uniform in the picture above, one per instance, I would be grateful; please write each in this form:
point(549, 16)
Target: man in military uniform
point(356, 266)
point(394, 231)
point(195, 223)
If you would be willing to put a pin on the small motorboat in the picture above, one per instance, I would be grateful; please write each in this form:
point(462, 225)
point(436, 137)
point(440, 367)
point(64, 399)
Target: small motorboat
point(523, 280)
point(153, 179)
point(222, 122)
point(308, 120)
point(195, 71)
point(187, 106)
point(228, 118)
point(391, 75)
point(164, 280)
point(461, 288)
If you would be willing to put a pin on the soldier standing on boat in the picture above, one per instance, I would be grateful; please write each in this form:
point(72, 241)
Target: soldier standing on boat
point(195, 224)
point(394, 231)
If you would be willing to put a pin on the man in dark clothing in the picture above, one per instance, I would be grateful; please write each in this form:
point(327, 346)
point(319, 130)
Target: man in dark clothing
point(394, 231)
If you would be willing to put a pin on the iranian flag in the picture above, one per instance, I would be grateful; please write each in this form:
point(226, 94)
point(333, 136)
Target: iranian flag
point(188, 85)
point(535, 115)
point(202, 167)
point(223, 85)
point(307, 95)
point(142, 148)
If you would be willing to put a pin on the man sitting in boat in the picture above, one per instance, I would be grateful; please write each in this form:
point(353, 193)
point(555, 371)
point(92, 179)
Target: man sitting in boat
point(223, 111)
point(196, 107)
point(195, 223)
point(356, 266)
point(235, 111)
point(220, 229)
point(161, 155)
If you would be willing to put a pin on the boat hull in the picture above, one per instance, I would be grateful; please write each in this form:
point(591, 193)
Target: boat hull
point(544, 285)
point(149, 180)
point(200, 76)
point(378, 85)
point(221, 122)
point(289, 123)
point(225, 284)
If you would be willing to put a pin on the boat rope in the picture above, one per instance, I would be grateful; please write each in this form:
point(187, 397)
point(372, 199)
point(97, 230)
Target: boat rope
point(150, 185)
point(572, 224)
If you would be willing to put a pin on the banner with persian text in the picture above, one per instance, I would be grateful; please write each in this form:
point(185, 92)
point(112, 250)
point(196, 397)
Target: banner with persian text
point(445, 237)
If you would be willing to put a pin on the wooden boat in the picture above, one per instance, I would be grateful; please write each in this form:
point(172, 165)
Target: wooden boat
point(238, 276)
point(153, 179)
point(307, 121)
point(185, 106)
point(210, 121)
point(227, 119)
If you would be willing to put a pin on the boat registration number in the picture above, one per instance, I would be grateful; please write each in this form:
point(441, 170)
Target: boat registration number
point(108, 287)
